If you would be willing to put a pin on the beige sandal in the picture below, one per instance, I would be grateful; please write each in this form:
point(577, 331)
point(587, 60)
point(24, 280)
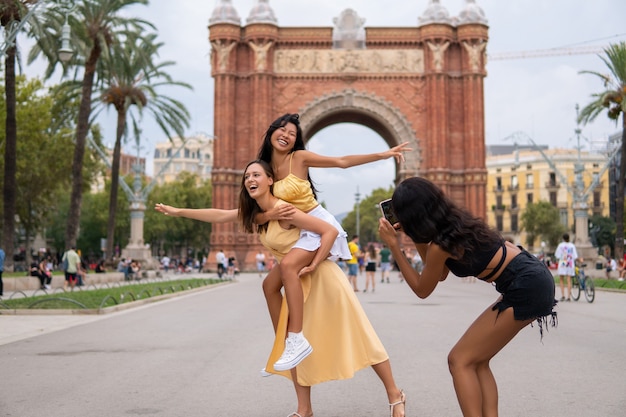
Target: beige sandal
point(402, 401)
point(298, 415)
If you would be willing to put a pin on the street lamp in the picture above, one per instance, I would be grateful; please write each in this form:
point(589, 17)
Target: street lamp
point(11, 31)
point(65, 53)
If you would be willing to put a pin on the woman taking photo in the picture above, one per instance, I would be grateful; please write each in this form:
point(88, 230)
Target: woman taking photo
point(450, 239)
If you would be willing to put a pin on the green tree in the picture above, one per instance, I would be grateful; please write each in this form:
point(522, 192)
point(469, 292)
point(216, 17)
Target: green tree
point(602, 231)
point(131, 78)
point(95, 26)
point(38, 182)
point(369, 213)
point(93, 222)
point(541, 220)
point(177, 235)
point(11, 14)
point(613, 101)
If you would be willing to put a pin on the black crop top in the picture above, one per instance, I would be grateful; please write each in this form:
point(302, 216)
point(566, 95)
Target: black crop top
point(478, 263)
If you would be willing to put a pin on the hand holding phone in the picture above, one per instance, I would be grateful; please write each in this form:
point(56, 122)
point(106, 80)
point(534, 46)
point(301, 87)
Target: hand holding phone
point(387, 210)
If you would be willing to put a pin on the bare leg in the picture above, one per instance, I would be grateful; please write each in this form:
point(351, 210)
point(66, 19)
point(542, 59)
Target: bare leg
point(562, 285)
point(569, 287)
point(383, 370)
point(305, 408)
point(271, 288)
point(292, 263)
point(468, 361)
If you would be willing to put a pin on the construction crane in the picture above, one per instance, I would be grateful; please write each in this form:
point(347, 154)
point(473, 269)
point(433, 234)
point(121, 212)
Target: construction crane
point(542, 53)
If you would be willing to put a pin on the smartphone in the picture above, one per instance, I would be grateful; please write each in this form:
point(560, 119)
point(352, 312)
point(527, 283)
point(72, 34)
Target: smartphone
point(385, 208)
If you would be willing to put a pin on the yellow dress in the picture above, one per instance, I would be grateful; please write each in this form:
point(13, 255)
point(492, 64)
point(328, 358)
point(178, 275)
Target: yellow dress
point(335, 324)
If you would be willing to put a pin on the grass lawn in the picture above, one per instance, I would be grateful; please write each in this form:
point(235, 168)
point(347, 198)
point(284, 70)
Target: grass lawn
point(95, 298)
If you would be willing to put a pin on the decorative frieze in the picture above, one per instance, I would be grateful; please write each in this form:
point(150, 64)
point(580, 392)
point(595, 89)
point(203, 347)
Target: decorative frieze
point(328, 61)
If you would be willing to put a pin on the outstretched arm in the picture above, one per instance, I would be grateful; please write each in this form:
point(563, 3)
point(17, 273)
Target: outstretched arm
point(313, 160)
point(209, 215)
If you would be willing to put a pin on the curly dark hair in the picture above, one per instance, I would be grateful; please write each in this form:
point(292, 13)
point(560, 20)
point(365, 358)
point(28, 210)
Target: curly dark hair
point(265, 151)
point(248, 207)
point(426, 215)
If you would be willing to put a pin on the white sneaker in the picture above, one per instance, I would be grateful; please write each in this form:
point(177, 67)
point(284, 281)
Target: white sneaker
point(294, 353)
point(264, 373)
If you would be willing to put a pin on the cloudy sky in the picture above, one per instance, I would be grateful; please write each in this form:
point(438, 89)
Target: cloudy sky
point(537, 96)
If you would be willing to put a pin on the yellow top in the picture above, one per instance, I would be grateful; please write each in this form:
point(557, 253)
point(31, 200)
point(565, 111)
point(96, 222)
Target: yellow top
point(354, 251)
point(296, 191)
point(335, 324)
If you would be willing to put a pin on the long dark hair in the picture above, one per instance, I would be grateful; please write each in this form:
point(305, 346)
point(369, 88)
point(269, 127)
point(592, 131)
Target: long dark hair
point(265, 152)
point(426, 214)
point(248, 207)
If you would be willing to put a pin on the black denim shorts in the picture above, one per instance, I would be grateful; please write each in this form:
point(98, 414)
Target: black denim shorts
point(527, 286)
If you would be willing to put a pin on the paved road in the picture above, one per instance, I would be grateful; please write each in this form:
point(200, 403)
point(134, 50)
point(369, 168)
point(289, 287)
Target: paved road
point(200, 355)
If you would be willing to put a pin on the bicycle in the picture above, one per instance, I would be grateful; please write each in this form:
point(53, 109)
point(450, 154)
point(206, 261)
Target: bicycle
point(581, 282)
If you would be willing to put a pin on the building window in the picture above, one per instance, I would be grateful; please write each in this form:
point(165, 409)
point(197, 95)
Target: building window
point(597, 199)
point(499, 202)
point(530, 182)
point(552, 182)
point(529, 198)
point(499, 223)
point(514, 183)
point(553, 198)
point(513, 222)
point(499, 183)
point(514, 201)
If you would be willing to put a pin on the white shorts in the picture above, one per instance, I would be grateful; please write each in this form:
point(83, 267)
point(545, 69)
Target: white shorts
point(311, 241)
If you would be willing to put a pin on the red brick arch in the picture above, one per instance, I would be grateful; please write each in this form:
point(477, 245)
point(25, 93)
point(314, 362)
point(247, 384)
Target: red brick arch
point(422, 85)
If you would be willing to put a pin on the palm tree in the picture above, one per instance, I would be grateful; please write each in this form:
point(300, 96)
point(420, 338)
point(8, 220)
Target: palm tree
point(613, 100)
point(132, 79)
point(11, 13)
point(95, 26)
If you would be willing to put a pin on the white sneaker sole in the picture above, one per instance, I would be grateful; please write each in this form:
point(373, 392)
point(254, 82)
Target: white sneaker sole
point(292, 364)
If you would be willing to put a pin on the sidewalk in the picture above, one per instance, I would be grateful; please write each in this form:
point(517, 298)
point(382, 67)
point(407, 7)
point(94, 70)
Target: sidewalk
point(23, 326)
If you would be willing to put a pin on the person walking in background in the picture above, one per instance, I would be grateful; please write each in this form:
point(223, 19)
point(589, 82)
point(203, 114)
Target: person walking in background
point(353, 264)
point(222, 263)
point(260, 263)
point(2, 256)
point(370, 268)
point(71, 262)
point(450, 239)
point(566, 256)
point(165, 262)
point(611, 266)
point(385, 263)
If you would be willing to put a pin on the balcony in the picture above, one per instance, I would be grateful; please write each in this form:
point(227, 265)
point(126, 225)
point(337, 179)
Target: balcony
point(552, 185)
point(513, 187)
point(498, 208)
point(498, 189)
